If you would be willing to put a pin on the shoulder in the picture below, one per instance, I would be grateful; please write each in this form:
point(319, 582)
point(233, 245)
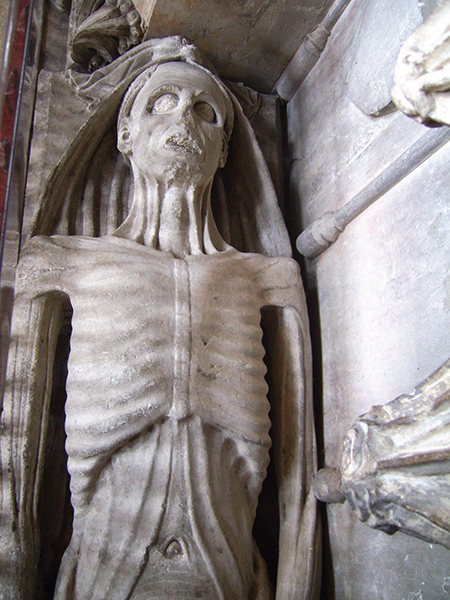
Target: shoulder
point(48, 259)
point(280, 282)
point(57, 244)
point(72, 248)
point(267, 268)
point(278, 279)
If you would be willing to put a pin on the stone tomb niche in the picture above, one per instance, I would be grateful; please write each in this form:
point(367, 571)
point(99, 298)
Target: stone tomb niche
point(143, 327)
point(160, 344)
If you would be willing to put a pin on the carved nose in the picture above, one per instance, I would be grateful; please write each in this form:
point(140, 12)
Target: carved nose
point(187, 113)
point(173, 548)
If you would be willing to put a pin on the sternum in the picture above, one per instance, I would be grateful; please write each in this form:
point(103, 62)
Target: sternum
point(183, 340)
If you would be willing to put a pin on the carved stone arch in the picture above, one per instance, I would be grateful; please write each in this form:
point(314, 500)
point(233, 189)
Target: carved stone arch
point(102, 31)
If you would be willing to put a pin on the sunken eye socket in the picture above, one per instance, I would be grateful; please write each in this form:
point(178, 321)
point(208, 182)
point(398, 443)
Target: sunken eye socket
point(205, 111)
point(164, 103)
point(169, 101)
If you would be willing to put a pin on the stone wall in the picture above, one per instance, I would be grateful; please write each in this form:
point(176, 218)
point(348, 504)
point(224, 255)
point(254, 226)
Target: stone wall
point(380, 295)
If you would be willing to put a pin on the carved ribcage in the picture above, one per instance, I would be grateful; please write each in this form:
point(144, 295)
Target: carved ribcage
point(166, 401)
point(227, 368)
point(121, 360)
point(161, 337)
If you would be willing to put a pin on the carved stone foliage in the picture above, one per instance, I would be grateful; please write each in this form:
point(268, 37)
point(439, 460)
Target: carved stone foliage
point(102, 31)
point(422, 74)
point(396, 463)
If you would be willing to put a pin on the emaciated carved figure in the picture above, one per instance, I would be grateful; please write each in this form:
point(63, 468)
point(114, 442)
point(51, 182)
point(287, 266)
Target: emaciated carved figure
point(167, 416)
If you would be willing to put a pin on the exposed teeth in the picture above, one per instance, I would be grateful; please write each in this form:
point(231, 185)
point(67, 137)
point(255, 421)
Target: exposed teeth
point(183, 142)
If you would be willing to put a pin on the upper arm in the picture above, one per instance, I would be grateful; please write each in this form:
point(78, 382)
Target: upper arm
point(288, 354)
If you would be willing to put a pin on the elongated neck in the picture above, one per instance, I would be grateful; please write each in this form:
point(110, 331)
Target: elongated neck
point(172, 214)
point(180, 218)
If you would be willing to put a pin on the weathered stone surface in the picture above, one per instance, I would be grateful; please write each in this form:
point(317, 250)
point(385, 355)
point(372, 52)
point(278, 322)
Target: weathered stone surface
point(395, 463)
point(382, 289)
point(379, 298)
point(238, 37)
point(102, 33)
point(336, 160)
point(247, 40)
point(422, 75)
point(383, 25)
point(167, 414)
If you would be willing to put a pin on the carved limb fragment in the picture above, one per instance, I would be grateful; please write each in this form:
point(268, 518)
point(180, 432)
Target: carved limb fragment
point(396, 463)
point(422, 74)
point(294, 453)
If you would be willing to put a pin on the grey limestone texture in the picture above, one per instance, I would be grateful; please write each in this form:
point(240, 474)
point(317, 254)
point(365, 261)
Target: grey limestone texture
point(166, 402)
point(247, 40)
point(379, 299)
point(371, 74)
point(395, 458)
point(381, 291)
point(394, 463)
point(422, 75)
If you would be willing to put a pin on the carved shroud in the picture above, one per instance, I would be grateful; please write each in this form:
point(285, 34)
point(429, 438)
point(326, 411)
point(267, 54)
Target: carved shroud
point(90, 190)
point(32, 353)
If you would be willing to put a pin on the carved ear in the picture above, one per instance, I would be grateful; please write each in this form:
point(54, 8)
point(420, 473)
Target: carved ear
point(124, 138)
point(224, 154)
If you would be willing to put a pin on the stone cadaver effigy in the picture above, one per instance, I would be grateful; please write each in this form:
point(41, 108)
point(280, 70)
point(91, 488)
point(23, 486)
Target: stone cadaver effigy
point(176, 285)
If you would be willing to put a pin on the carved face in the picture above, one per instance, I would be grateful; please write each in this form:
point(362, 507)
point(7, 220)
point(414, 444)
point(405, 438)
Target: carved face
point(177, 120)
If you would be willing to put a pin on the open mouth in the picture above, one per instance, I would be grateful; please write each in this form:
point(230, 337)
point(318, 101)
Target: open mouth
point(183, 142)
